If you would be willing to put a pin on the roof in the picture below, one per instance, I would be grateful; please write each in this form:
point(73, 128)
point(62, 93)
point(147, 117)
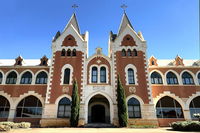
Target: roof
point(186, 62)
point(73, 21)
point(125, 21)
point(25, 62)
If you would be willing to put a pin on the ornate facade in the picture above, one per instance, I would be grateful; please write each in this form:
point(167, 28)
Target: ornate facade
point(157, 91)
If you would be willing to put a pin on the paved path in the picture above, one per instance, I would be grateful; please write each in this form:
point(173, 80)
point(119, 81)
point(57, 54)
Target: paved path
point(94, 130)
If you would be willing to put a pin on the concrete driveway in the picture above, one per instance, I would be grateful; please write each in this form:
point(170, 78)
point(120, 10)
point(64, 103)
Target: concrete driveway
point(95, 130)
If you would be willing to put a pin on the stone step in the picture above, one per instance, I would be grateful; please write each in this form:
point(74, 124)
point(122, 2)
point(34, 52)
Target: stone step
point(99, 125)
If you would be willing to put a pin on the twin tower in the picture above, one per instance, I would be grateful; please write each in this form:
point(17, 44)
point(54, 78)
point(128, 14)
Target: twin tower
point(96, 76)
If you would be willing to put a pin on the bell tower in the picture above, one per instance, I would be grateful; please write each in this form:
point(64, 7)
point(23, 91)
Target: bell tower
point(69, 51)
point(127, 49)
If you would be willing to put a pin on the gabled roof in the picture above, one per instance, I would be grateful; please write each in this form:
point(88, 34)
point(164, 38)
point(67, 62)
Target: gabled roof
point(73, 21)
point(26, 62)
point(124, 22)
point(166, 63)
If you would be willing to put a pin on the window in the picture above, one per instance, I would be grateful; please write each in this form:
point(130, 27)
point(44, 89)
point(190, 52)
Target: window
point(171, 78)
point(94, 75)
point(103, 75)
point(123, 52)
point(152, 63)
point(44, 62)
point(1, 78)
point(11, 78)
point(195, 106)
point(64, 108)
point(41, 78)
point(131, 79)
point(129, 52)
point(199, 78)
point(67, 76)
point(63, 52)
point(68, 52)
point(74, 52)
point(4, 107)
point(156, 78)
point(26, 78)
point(187, 79)
point(167, 107)
point(29, 107)
point(19, 62)
point(134, 110)
point(135, 52)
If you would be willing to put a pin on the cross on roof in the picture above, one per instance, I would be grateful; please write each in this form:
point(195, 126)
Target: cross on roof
point(74, 6)
point(124, 7)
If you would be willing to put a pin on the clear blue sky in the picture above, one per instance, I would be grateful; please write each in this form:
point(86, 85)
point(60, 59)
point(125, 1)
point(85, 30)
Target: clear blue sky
point(170, 27)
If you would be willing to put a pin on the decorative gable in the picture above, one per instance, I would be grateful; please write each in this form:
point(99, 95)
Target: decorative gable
point(44, 61)
point(178, 61)
point(128, 41)
point(153, 61)
point(18, 61)
point(69, 41)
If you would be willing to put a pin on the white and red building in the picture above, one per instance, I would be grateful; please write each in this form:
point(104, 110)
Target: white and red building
point(157, 91)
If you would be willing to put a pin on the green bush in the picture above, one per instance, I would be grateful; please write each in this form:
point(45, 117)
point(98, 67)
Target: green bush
point(6, 126)
point(186, 126)
point(122, 106)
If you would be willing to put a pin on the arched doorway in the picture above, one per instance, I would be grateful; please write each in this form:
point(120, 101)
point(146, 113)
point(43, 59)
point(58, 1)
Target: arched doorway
point(98, 110)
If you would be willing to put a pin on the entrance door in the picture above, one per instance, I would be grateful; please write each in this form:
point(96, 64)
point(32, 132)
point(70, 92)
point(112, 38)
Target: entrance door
point(98, 114)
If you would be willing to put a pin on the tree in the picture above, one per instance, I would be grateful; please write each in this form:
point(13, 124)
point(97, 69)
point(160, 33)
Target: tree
point(122, 106)
point(75, 107)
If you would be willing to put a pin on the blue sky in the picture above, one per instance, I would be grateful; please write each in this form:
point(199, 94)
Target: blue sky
point(170, 27)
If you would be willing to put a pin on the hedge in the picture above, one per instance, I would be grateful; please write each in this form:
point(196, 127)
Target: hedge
point(186, 126)
point(6, 126)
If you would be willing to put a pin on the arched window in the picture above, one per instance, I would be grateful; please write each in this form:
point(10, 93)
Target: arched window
point(167, 107)
point(63, 52)
point(135, 52)
point(103, 75)
point(26, 78)
point(64, 108)
point(131, 79)
point(4, 107)
point(187, 79)
point(152, 63)
point(41, 78)
point(195, 106)
point(171, 78)
point(123, 52)
point(94, 75)
point(29, 107)
point(44, 62)
point(134, 110)
point(156, 78)
point(1, 78)
point(11, 78)
point(198, 78)
point(68, 52)
point(74, 52)
point(67, 76)
point(129, 52)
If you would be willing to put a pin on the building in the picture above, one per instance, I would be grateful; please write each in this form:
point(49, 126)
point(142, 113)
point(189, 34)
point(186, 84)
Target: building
point(157, 91)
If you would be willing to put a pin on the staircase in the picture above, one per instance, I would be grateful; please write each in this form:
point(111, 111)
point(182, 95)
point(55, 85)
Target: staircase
point(99, 125)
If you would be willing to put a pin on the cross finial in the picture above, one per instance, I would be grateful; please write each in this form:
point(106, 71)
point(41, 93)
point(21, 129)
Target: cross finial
point(74, 6)
point(124, 7)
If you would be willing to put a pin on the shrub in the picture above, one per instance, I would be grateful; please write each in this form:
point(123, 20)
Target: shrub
point(186, 126)
point(75, 107)
point(7, 123)
point(4, 128)
point(122, 106)
point(24, 125)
